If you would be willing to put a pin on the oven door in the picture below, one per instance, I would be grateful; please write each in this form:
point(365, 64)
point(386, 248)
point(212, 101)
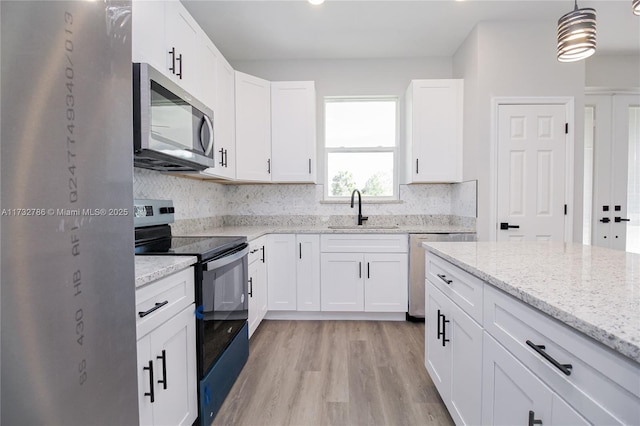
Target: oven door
point(223, 305)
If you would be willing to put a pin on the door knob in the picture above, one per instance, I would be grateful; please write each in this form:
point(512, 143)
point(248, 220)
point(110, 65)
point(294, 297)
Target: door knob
point(505, 225)
point(605, 220)
point(619, 219)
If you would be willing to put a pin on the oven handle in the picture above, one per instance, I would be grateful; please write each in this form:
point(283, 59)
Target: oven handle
point(242, 251)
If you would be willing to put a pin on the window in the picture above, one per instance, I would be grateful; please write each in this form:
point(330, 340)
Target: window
point(361, 147)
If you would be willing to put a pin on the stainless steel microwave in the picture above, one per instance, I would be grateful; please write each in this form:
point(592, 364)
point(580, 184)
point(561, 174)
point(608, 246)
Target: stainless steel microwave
point(172, 130)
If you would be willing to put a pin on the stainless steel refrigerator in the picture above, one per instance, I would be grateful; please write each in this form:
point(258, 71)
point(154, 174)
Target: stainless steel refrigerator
point(67, 312)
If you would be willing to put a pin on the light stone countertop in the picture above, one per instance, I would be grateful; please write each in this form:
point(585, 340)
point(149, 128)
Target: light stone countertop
point(152, 268)
point(256, 231)
point(591, 289)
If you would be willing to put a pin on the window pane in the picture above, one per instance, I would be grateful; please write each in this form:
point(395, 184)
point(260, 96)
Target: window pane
point(360, 124)
point(371, 173)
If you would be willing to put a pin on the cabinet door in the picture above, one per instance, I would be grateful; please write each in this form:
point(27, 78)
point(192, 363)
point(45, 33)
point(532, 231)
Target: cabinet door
point(173, 349)
point(293, 131)
point(438, 355)
point(342, 283)
point(281, 272)
point(253, 128)
point(147, 373)
point(385, 285)
point(224, 120)
point(182, 35)
point(434, 113)
point(510, 390)
point(308, 272)
point(261, 289)
point(254, 312)
point(147, 34)
point(207, 74)
point(466, 367)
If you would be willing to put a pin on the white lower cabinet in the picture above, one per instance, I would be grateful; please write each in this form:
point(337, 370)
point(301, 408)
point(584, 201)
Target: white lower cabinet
point(514, 395)
point(364, 273)
point(510, 364)
point(166, 352)
point(293, 272)
point(257, 283)
point(453, 348)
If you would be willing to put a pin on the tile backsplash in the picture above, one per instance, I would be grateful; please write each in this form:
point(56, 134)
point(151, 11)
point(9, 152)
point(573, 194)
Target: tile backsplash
point(208, 203)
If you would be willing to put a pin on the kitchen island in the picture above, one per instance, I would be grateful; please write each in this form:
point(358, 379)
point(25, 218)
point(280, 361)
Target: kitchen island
point(538, 330)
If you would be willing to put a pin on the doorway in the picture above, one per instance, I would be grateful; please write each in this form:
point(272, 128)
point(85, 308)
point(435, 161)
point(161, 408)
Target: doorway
point(533, 170)
point(611, 215)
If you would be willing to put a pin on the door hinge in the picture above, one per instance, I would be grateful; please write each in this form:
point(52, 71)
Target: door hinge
point(566, 128)
point(565, 209)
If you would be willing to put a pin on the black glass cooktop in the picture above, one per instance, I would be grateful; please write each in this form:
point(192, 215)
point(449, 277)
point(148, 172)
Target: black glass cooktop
point(203, 247)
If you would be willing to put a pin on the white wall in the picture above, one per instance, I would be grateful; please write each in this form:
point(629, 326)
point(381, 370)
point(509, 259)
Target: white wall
point(513, 59)
point(613, 71)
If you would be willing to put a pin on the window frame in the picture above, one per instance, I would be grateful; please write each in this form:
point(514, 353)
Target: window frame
point(394, 150)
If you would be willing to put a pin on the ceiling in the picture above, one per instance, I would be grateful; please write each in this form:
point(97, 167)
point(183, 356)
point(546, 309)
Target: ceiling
point(341, 29)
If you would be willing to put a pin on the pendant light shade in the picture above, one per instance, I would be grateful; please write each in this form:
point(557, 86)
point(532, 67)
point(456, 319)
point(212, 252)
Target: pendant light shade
point(577, 34)
point(636, 7)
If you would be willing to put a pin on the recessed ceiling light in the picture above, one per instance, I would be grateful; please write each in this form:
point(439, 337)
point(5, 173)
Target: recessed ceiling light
point(315, 2)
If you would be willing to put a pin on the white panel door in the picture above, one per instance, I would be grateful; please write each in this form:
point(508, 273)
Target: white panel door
point(308, 272)
point(615, 177)
point(341, 282)
point(386, 284)
point(531, 172)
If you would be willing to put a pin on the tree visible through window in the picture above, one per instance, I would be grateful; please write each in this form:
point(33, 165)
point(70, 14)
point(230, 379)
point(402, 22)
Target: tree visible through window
point(360, 145)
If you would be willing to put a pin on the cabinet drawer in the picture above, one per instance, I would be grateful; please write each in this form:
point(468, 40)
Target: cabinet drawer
point(364, 243)
point(257, 250)
point(597, 374)
point(168, 296)
point(463, 288)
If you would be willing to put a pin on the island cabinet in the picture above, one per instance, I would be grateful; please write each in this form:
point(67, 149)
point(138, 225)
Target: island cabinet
point(294, 272)
point(257, 283)
point(166, 350)
point(434, 131)
point(453, 338)
point(364, 272)
point(497, 360)
point(584, 382)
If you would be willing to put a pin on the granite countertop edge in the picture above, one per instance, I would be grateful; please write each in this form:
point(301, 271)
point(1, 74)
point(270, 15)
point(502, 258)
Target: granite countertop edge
point(253, 232)
point(153, 268)
point(613, 341)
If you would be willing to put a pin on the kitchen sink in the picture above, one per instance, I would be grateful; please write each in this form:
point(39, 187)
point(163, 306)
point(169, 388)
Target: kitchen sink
point(363, 227)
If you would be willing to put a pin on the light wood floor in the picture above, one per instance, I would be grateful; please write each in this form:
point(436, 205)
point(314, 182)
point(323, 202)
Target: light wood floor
point(335, 373)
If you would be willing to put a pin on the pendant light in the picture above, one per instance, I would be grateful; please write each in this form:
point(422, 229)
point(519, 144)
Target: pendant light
point(636, 7)
point(577, 34)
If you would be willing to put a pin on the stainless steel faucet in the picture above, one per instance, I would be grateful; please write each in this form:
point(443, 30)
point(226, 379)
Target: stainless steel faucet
point(360, 217)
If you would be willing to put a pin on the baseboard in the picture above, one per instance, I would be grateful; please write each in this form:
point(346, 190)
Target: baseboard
point(349, 316)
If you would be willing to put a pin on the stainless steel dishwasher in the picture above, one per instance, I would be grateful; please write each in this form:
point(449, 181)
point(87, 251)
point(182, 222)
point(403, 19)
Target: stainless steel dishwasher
point(416, 268)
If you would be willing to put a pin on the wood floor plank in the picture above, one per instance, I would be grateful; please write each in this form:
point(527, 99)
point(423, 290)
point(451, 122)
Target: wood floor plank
point(308, 373)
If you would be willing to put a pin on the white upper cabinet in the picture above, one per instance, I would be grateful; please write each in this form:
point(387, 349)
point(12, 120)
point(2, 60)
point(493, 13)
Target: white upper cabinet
point(167, 37)
point(253, 128)
point(148, 45)
point(224, 120)
point(293, 131)
point(434, 131)
point(181, 32)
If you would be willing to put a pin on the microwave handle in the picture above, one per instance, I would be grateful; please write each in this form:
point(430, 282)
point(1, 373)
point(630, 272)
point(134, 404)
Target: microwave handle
point(209, 147)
